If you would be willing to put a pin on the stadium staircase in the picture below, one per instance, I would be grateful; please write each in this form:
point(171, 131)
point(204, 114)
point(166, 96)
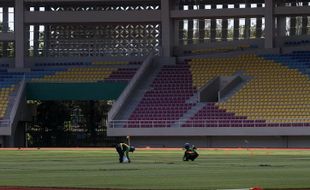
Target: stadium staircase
point(138, 92)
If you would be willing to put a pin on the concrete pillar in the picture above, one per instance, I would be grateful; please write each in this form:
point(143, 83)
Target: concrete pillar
point(213, 25)
point(5, 28)
point(166, 29)
point(304, 25)
point(190, 26)
point(293, 26)
point(224, 25)
point(201, 24)
point(304, 22)
point(36, 36)
point(190, 31)
point(281, 21)
point(5, 23)
point(201, 30)
point(36, 40)
point(27, 44)
point(19, 33)
point(236, 25)
point(269, 21)
point(259, 24)
point(281, 26)
point(46, 40)
point(293, 23)
point(247, 26)
point(181, 33)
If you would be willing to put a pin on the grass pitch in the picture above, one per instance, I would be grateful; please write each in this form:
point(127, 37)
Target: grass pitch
point(156, 169)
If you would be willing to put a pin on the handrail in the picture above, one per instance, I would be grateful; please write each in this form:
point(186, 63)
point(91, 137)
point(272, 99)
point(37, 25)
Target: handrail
point(122, 98)
point(292, 122)
point(17, 100)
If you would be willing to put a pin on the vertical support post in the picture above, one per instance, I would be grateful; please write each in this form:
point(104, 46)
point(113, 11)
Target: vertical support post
point(236, 24)
point(46, 40)
point(201, 24)
point(269, 21)
point(181, 32)
point(281, 22)
point(166, 28)
point(19, 33)
point(5, 28)
point(247, 26)
point(304, 22)
point(281, 26)
point(224, 25)
point(201, 30)
point(213, 25)
point(259, 24)
point(190, 26)
point(293, 23)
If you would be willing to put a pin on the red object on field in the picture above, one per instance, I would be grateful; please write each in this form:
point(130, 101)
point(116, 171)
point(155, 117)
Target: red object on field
point(256, 188)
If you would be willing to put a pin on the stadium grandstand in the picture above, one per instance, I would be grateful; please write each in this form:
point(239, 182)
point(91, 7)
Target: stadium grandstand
point(225, 73)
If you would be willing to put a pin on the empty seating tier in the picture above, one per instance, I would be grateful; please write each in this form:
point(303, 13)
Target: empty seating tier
point(166, 99)
point(275, 92)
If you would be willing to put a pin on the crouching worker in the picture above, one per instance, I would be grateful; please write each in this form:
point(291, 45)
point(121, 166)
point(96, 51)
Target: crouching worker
point(123, 150)
point(190, 152)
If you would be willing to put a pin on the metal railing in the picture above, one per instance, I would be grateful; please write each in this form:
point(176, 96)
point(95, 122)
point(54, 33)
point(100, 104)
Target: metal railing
point(207, 123)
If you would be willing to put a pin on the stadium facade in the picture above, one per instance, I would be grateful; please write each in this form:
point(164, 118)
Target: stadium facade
point(214, 73)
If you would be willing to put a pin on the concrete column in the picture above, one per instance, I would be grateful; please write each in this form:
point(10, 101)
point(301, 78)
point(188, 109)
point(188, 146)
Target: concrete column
point(190, 26)
point(304, 25)
point(281, 22)
point(201, 24)
point(293, 26)
point(5, 28)
point(181, 32)
point(201, 30)
point(27, 44)
point(293, 23)
point(304, 21)
point(259, 24)
point(177, 32)
point(36, 37)
point(166, 29)
point(236, 25)
point(19, 33)
point(46, 40)
point(269, 21)
point(281, 26)
point(224, 25)
point(247, 26)
point(36, 40)
point(190, 31)
point(5, 23)
point(213, 25)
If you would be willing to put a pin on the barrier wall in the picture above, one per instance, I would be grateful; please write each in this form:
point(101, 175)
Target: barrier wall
point(75, 91)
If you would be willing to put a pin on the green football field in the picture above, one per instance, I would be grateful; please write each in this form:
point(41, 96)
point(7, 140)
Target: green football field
point(156, 169)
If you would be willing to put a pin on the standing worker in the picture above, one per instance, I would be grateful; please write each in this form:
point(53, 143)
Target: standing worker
point(190, 152)
point(123, 149)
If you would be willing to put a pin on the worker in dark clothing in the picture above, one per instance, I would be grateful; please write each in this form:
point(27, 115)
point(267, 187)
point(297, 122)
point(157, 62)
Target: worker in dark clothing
point(123, 149)
point(190, 152)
